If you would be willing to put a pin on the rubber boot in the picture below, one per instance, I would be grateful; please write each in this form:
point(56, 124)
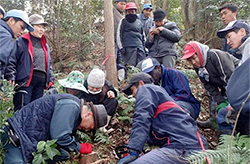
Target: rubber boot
point(211, 122)
point(104, 130)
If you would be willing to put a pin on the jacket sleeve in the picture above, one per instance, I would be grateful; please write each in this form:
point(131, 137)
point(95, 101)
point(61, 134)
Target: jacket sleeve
point(63, 129)
point(50, 69)
point(7, 47)
point(119, 34)
point(149, 42)
point(213, 91)
point(146, 104)
point(171, 32)
point(11, 68)
point(224, 64)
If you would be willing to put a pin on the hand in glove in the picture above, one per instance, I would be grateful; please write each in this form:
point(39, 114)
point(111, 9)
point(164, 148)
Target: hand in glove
point(221, 105)
point(130, 158)
point(86, 148)
point(231, 115)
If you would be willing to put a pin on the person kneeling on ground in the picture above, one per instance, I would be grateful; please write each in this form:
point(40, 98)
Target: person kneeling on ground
point(159, 121)
point(101, 91)
point(56, 116)
point(175, 83)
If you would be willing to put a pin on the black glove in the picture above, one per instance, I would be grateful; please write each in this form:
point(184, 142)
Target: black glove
point(231, 116)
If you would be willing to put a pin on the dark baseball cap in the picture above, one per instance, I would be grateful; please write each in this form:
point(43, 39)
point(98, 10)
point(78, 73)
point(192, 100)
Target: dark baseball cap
point(231, 26)
point(146, 78)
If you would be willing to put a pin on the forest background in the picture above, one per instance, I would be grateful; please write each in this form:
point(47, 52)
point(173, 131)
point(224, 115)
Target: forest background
point(76, 26)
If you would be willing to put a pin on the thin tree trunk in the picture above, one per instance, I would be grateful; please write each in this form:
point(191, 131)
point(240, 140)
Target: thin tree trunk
point(165, 6)
point(110, 43)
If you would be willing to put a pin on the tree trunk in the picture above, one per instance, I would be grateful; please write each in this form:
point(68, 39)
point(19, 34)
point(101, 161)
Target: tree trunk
point(197, 26)
point(110, 43)
point(138, 6)
point(165, 6)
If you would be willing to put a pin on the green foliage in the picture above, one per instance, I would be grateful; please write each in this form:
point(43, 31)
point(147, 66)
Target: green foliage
point(101, 138)
point(45, 151)
point(84, 137)
point(127, 107)
point(240, 151)
point(6, 96)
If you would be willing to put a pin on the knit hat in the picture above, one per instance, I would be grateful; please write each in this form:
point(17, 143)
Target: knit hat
point(74, 80)
point(37, 19)
point(159, 15)
point(96, 78)
point(149, 64)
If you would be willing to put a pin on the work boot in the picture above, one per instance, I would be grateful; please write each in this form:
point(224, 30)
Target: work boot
point(104, 130)
point(211, 122)
point(206, 124)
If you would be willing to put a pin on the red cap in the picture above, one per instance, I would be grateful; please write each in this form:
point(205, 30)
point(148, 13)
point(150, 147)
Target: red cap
point(188, 52)
point(130, 6)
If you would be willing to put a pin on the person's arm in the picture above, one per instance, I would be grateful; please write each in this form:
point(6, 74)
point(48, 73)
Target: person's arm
point(7, 47)
point(223, 64)
point(50, 69)
point(146, 104)
point(171, 32)
point(11, 68)
point(64, 123)
point(119, 35)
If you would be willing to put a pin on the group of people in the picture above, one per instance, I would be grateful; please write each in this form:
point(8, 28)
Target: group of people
point(138, 36)
point(166, 111)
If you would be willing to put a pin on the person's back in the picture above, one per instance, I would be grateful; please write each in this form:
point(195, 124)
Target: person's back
point(152, 101)
point(42, 109)
point(159, 121)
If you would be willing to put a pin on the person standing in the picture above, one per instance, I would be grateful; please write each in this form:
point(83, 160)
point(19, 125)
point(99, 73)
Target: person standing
point(11, 27)
point(30, 67)
point(118, 12)
point(130, 39)
point(144, 17)
point(162, 38)
point(228, 13)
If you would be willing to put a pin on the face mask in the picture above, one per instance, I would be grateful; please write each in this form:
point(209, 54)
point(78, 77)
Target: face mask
point(131, 17)
point(94, 93)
